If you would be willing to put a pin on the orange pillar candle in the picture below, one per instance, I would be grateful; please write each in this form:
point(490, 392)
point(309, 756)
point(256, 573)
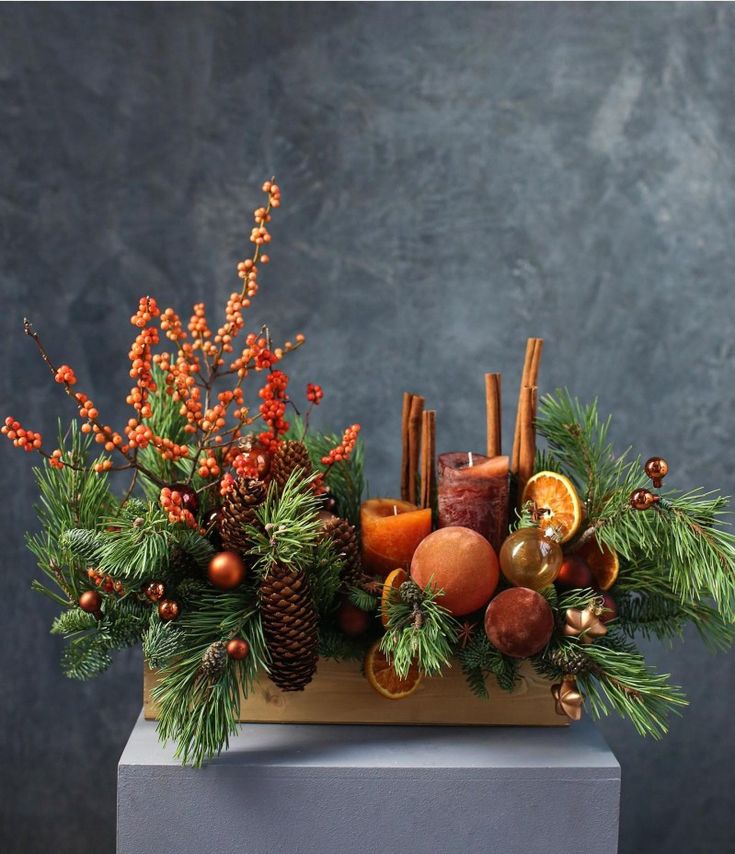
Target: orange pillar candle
point(390, 530)
point(473, 493)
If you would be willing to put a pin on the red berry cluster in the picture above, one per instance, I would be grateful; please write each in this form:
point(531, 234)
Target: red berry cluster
point(345, 447)
point(273, 409)
point(20, 437)
point(172, 502)
point(105, 582)
point(314, 393)
point(65, 375)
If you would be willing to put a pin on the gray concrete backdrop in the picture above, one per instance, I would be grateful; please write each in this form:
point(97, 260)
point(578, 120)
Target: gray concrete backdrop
point(455, 177)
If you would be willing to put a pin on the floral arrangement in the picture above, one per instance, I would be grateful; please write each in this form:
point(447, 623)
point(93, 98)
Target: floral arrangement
point(241, 548)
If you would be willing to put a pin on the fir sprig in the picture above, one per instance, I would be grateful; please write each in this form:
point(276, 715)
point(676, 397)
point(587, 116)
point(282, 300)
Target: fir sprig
point(480, 659)
point(422, 633)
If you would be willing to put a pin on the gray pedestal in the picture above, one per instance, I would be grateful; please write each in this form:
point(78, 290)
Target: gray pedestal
point(298, 789)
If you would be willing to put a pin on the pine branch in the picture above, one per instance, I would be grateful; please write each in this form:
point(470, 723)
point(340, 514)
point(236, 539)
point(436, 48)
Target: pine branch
point(325, 578)
point(337, 646)
point(620, 680)
point(137, 542)
point(362, 599)
point(424, 633)
point(480, 659)
point(289, 526)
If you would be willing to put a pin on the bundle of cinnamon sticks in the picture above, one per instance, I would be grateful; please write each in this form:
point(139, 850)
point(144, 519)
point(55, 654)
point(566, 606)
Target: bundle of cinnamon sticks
point(418, 445)
point(524, 441)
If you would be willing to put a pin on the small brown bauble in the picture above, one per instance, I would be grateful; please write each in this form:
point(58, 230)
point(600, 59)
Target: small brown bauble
point(226, 570)
point(519, 622)
point(574, 573)
point(656, 468)
point(642, 499)
point(238, 648)
point(353, 621)
point(90, 601)
point(189, 498)
point(154, 591)
point(168, 609)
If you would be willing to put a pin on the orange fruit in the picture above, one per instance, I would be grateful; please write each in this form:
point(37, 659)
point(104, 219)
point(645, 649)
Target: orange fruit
point(603, 562)
point(555, 496)
point(391, 584)
point(384, 678)
point(459, 562)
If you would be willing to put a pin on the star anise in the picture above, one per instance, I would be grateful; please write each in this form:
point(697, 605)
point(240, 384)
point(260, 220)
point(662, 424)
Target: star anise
point(466, 631)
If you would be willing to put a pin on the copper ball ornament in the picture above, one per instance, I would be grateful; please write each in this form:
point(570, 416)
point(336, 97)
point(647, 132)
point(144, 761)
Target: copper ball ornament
point(519, 622)
point(226, 570)
point(238, 649)
point(168, 609)
point(90, 601)
point(353, 621)
point(656, 468)
point(642, 499)
point(154, 591)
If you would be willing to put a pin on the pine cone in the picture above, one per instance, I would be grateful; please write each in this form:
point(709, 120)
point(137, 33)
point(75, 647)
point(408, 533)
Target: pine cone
point(289, 456)
point(569, 662)
point(411, 593)
point(290, 626)
point(238, 511)
point(213, 660)
point(180, 563)
point(344, 538)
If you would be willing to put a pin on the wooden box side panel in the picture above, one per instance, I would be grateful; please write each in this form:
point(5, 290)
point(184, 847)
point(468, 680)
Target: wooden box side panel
point(340, 694)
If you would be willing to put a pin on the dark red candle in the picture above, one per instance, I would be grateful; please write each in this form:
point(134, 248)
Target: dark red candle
point(473, 493)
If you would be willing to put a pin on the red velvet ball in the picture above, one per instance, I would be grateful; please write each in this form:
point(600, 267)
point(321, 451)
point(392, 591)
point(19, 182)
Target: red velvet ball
point(519, 622)
point(574, 573)
point(352, 620)
point(609, 608)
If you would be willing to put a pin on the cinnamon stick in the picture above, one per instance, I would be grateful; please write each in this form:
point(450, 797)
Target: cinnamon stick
point(529, 378)
point(405, 415)
point(414, 445)
point(428, 455)
point(527, 444)
point(493, 414)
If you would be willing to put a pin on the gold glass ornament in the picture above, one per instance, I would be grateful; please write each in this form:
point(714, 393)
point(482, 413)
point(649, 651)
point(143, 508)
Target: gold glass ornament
point(531, 558)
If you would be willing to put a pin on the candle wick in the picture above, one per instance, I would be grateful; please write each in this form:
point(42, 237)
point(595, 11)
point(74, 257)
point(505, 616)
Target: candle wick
point(469, 457)
point(395, 510)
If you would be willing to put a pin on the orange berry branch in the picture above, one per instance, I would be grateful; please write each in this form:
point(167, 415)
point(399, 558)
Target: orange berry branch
point(216, 420)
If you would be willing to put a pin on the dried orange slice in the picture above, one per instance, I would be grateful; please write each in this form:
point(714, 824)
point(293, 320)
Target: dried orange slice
point(384, 678)
point(392, 582)
point(603, 562)
point(555, 496)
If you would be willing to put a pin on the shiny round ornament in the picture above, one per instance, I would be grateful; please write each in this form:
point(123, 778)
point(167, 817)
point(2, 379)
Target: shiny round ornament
point(90, 601)
point(656, 468)
point(154, 591)
point(642, 499)
point(168, 609)
point(226, 570)
point(530, 558)
point(238, 649)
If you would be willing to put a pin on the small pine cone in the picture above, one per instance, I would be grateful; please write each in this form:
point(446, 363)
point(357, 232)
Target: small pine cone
point(237, 511)
point(344, 537)
point(289, 456)
point(570, 662)
point(411, 593)
point(290, 626)
point(213, 660)
point(181, 563)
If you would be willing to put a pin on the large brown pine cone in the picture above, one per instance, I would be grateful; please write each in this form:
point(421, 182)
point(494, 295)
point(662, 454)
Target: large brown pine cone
point(237, 511)
point(289, 456)
point(290, 626)
point(344, 537)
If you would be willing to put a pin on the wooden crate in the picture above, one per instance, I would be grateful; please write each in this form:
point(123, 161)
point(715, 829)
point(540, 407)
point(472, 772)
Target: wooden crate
point(340, 694)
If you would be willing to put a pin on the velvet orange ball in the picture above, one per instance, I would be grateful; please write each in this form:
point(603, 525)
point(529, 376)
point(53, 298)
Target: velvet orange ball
point(460, 562)
point(519, 622)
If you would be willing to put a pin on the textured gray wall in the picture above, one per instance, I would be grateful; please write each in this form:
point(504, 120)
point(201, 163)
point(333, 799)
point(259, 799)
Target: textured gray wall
point(456, 177)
